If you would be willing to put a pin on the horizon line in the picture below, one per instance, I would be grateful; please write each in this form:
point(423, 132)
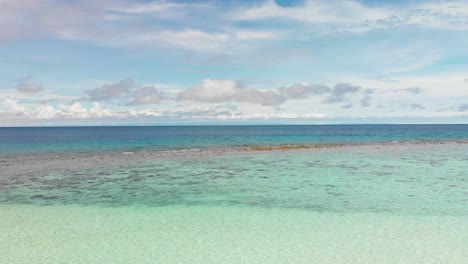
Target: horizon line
point(246, 125)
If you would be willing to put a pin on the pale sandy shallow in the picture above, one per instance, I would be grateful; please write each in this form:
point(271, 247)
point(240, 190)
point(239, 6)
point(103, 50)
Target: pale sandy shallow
point(74, 234)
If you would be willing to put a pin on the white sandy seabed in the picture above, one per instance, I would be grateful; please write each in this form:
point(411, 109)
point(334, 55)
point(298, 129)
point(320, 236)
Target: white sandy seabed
point(79, 234)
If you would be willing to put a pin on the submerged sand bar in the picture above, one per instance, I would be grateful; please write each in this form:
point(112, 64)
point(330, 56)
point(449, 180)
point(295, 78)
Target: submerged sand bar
point(24, 164)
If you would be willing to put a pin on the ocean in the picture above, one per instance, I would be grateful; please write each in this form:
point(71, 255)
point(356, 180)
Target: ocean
point(234, 194)
point(90, 139)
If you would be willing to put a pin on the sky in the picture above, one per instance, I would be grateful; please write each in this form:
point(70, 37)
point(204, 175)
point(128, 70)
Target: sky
point(135, 62)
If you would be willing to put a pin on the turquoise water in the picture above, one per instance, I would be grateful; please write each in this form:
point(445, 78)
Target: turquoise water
point(395, 179)
point(359, 203)
point(209, 235)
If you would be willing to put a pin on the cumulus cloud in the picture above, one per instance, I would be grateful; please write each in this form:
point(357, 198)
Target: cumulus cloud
point(386, 79)
point(443, 109)
point(211, 91)
point(216, 91)
point(221, 113)
point(27, 85)
point(347, 106)
point(126, 89)
point(227, 100)
point(72, 111)
point(14, 106)
point(340, 91)
point(202, 113)
point(146, 95)
point(75, 110)
point(413, 90)
point(266, 98)
point(302, 91)
point(111, 91)
point(366, 99)
point(417, 107)
point(463, 108)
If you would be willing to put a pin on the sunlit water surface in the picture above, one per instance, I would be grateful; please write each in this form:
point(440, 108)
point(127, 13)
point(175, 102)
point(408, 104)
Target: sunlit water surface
point(352, 205)
point(355, 204)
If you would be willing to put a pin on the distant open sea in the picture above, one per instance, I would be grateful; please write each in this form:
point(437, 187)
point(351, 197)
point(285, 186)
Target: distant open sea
point(234, 194)
point(121, 138)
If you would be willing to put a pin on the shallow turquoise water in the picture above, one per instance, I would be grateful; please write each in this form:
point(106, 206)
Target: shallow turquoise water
point(231, 235)
point(360, 203)
point(402, 180)
point(357, 204)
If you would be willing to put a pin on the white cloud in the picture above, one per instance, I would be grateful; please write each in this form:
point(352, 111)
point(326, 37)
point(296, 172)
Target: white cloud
point(352, 16)
point(125, 90)
point(255, 34)
point(44, 112)
point(171, 24)
point(272, 97)
point(340, 91)
point(417, 107)
point(437, 85)
point(303, 90)
point(17, 110)
point(316, 11)
point(76, 111)
point(366, 100)
point(14, 106)
point(187, 38)
point(123, 23)
point(111, 91)
point(442, 95)
point(215, 91)
point(145, 95)
point(463, 108)
point(221, 40)
point(150, 7)
point(222, 113)
point(260, 116)
point(26, 85)
point(212, 91)
point(425, 60)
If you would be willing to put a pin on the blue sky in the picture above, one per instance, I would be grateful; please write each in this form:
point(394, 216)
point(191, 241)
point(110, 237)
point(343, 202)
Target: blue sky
point(179, 62)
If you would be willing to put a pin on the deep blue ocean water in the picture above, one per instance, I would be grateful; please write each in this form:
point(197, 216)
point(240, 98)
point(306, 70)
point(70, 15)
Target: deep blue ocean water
point(121, 138)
